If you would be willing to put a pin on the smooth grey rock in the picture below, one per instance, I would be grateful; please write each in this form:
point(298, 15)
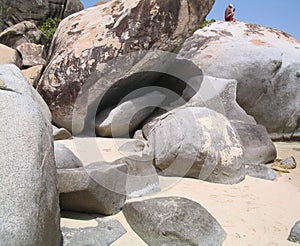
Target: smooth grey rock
point(9, 56)
point(97, 188)
point(32, 54)
point(13, 80)
point(132, 146)
point(37, 11)
point(198, 143)
point(216, 94)
point(261, 171)
point(295, 233)
point(23, 32)
point(29, 209)
point(142, 178)
point(264, 61)
point(65, 158)
point(258, 147)
point(132, 39)
point(61, 133)
point(128, 115)
point(173, 221)
point(33, 74)
point(105, 233)
point(139, 135)
point(288, 163)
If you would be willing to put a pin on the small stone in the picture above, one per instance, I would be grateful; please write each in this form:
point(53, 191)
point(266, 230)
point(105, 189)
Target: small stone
point(288, 163)
point(261, 171)
point(295, 233)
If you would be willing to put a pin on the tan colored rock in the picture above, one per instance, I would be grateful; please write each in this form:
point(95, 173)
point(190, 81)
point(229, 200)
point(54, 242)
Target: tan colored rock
point(32, 54)
point(9, 56)
point(33, 74)
point(98, 43)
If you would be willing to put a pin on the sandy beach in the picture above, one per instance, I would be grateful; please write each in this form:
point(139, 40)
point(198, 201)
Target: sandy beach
point(253, 212)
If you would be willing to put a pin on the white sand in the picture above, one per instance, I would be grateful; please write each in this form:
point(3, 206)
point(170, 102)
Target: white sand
point(254, 212)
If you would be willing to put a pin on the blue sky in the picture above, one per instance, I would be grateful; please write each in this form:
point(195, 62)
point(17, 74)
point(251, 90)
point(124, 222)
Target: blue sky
point(281, 14)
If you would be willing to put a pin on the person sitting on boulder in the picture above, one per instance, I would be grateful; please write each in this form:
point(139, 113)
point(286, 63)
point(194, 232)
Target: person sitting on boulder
point(229, 13)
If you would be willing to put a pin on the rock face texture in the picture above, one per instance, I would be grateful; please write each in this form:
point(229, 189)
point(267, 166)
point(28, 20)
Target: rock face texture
point(198, 143)
point(13, 12)
point(173, 221)
point(96, 45)
point(29, 210)
point(105, 233)
point(264, 61)
point(9, 56)
point(295, 233)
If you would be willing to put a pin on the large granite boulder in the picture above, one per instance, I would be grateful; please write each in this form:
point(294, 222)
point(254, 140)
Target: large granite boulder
point(264, 61)
point(128, 115)
point(65, 158)
point(106, 51)
point(96, 188)
point(173, 221)
point(37, 11)
point(9, 56)
point(23, 32)
point(220, 95)
point(196, 142)
point(29, 210)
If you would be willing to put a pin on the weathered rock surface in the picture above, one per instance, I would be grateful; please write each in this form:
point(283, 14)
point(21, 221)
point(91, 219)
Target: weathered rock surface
point(13, 12)
point(198, 143)
point(138, 135)
point(29, 209)
point(65, 158)
point(105, 233)
point(295, 233)
point(96, 188)
point(220, 95)
point(142, 178)
point(60, 133)
point(261, 171)
point(33, 74)
point(173, 221)
point(128, 115)
point(32, 54)
point(91, 54)
point(23, 32)
point(258, 147)
point(264, 61)
point(9, 56)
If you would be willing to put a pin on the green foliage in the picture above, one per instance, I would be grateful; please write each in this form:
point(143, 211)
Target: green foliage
point(207, 22)
point(49, 27)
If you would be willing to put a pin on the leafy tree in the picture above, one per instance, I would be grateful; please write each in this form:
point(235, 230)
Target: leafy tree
point(207, 22)
point(49, 27)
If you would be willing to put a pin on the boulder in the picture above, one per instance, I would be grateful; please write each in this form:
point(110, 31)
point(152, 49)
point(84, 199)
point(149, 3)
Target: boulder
point(37, 11)
point(112, 50)
point(65, 158)
point(264, 61)
point(23, 32)
point(29, 210)
point(9, 56)
point(15, 81)
point(173, 221)
point(128, 115)
point(220, 95)
point(138, 135)
point(261, 171)
point(60, 133)
point(198, 143)
point(258, 147)
point(295, 233)
point(33, 74)
point(32, 54)
point(96, 188)
point(142, 178)
point(105, 233)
